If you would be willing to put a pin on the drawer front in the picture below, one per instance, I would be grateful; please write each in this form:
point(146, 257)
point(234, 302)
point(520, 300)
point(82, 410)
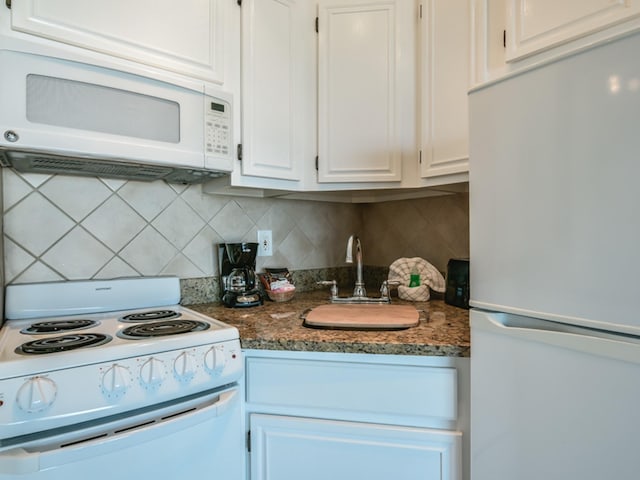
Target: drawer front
point(359, 391)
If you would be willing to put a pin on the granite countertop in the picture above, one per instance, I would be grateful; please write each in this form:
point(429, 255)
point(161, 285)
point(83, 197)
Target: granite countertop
point(443, 329)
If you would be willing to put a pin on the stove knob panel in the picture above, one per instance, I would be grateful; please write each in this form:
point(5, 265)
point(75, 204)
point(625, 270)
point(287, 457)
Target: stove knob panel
point(36, 394)
point(184, 367)
point(214, 360)
point(116, 380)
point(152, 373)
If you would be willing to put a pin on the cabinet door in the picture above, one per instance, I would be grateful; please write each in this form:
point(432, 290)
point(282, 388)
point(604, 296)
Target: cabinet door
point(536, 25)
point(294, 448)
point(446, 59)
point(359, 63)
point(514, 35)
point(184, 37)
point(275, 84)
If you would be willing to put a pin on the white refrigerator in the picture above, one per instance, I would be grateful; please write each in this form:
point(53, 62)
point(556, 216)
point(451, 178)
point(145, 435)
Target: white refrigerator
point(555, 270)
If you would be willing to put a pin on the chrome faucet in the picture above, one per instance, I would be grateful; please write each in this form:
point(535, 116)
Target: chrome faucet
point(359, 290)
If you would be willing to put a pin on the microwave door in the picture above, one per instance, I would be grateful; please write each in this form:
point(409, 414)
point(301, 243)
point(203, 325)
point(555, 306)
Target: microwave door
point(78, 109)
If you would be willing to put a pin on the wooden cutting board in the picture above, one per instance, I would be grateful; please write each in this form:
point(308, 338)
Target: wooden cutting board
point(363, 316)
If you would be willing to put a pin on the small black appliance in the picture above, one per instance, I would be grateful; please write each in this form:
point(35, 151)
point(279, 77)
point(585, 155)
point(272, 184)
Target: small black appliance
point(237, 262)
point(457, 288)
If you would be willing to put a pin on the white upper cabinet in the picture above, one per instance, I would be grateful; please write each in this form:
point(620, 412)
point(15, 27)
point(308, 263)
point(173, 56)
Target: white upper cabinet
point(514, 35)
point(536, 25)
point(274, 88)
point(362, 53)
point(186, 37)
point(445, 80)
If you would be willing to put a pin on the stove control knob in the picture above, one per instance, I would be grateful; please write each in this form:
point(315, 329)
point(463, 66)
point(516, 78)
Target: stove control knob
point(36, 394)
point(152, 372)
point(214, 360)
point(184, 366)
point(116, 380)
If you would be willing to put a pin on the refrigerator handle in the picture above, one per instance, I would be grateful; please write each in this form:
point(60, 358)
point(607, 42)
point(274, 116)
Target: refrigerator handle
point(581, 339)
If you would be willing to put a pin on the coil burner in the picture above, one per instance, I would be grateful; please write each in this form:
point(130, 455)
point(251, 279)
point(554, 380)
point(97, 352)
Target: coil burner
point(58, 326)
point(162, 329)
point(150, 316)
point(62, 343)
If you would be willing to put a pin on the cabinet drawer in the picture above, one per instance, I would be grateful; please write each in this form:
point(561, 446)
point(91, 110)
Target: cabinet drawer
point(358, 391)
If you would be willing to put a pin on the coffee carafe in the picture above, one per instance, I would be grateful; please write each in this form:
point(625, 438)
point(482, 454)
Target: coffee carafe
point(237, 263)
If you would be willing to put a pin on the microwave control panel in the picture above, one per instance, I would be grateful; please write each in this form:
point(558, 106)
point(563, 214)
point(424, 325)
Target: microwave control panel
point(218, 133)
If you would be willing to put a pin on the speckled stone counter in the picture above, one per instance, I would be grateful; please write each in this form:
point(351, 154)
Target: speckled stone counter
point(443, 329)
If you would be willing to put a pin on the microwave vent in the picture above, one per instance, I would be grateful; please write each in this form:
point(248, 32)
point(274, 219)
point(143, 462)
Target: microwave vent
point(192, 176)
point(38, 162)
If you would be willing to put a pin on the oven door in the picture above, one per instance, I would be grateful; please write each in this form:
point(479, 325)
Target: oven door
point(198, 437)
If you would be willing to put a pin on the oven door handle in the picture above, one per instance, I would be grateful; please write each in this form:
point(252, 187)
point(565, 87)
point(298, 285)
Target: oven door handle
point(25, 460)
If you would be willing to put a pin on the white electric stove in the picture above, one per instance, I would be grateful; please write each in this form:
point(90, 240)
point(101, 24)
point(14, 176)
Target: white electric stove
point(78, 358)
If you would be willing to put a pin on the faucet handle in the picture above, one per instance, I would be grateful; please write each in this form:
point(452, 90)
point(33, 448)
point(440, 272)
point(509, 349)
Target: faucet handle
point(385, 287)
point(334, 286)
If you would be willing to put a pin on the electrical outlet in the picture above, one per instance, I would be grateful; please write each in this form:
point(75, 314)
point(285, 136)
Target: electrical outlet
point(265, 247)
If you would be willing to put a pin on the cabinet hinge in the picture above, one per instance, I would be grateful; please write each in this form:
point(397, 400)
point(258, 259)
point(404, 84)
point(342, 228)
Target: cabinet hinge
point(317, 24)
point(249, 441)
point(239, 152)
point(8, 4)
point(316, 162)
point(504, 38)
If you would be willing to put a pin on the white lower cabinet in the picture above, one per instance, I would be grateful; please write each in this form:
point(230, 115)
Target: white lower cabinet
point(292, 448)
point(344, 416)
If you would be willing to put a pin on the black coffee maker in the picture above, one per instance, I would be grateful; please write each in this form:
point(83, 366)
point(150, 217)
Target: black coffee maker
point(237, 262)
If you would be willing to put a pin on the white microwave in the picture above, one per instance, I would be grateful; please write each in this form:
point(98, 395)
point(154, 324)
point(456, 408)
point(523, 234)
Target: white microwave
point(61, 116)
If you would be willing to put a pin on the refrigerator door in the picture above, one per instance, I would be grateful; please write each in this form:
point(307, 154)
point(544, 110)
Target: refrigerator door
point(554, 196)
point(550, 401)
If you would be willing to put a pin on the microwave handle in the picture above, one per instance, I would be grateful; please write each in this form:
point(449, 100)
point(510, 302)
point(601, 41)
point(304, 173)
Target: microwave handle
point(20, 461)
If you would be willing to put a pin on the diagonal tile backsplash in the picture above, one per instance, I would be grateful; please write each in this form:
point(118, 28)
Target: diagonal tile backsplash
point(434, 228)
point(67, 228)
point(36, 224)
